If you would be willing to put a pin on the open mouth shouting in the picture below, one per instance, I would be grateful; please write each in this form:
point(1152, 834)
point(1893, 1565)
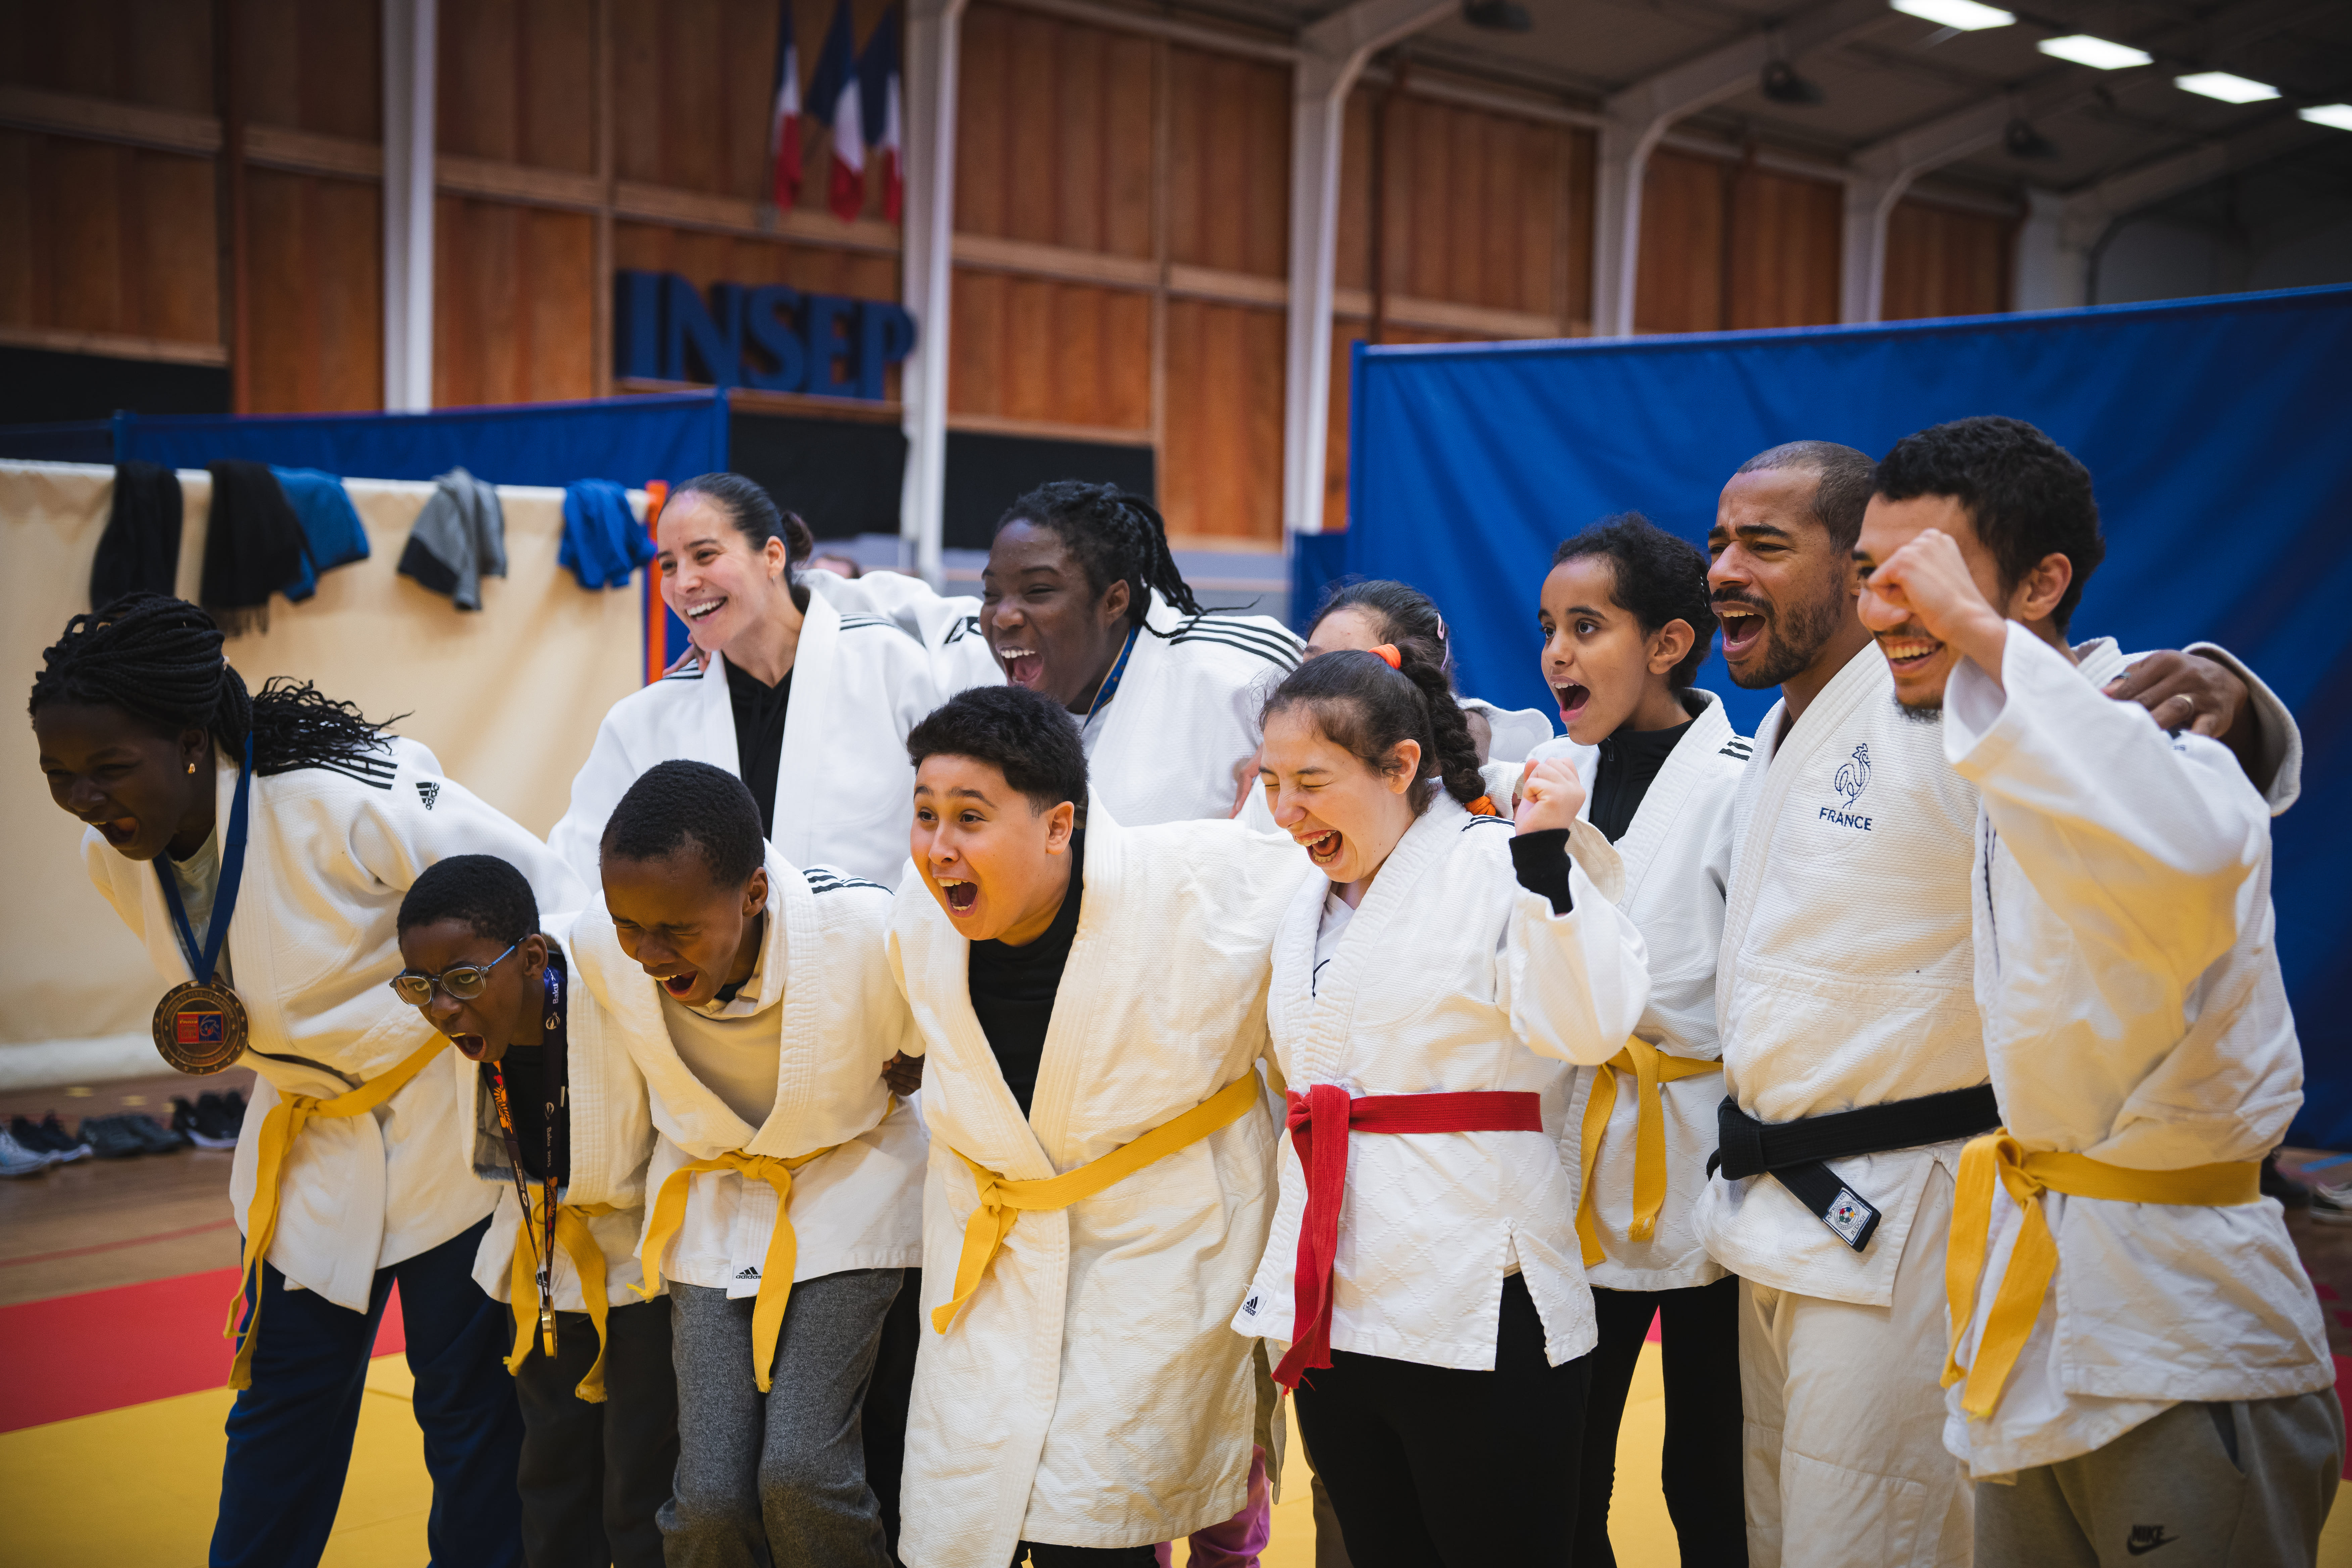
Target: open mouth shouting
point(468, 1046)
point(116, 831)
point(1743, 627)
point(1023, 666)
point(680, 985)
point(1571, 699)
point(696, 613)
point(1908, 652)
point(960, 895)
point(1322, 846)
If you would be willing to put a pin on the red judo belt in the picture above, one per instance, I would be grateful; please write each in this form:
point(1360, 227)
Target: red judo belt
point(1321, 1121)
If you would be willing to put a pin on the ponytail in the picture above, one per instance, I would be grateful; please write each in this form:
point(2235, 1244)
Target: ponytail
point(1368, 705)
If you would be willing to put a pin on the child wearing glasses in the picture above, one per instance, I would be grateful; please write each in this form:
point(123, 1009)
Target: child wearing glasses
point(562, 1130)
point(257, 844)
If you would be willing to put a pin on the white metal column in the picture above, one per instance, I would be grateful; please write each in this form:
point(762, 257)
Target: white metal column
point(410, 40)
point(1332, 54)
point(934, 52)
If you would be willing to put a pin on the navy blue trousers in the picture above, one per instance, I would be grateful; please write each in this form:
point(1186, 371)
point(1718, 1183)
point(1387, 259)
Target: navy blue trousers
point(289, 1434)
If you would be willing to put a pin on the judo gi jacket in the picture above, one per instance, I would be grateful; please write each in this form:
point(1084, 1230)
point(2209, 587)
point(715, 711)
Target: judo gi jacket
point(1449, 978)
point(310, 948)
point(2128, 969)
point(844, 790)
point(1089, 1393)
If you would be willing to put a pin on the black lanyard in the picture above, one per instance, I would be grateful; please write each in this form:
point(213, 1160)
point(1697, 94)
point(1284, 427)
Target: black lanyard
point(204, 961)
point(542, 1242)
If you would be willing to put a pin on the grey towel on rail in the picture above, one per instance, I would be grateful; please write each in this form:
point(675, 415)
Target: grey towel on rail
point(458, 539)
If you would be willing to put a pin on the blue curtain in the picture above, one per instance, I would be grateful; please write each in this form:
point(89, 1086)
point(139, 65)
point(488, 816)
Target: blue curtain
point(670, 435)
point(2215, 430)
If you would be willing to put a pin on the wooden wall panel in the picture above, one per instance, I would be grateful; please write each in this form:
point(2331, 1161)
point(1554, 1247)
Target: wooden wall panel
point(1229, 194)
point(693, 80)
point(1054, 132)
point(517, 82)
point(1221, 463)
point(101, 239)
point(1940, 263)
point(1063, 353)
point(513, 302)
point(1786, 246)
point(318, 65)
point(154, 52)
point(316, 278)
point(1680, 285)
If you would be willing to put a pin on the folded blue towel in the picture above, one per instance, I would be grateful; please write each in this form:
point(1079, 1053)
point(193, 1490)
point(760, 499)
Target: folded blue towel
point(602, 540)
point(329, 523)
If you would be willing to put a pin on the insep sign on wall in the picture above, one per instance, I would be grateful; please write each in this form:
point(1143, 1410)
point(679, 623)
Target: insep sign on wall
point(770, 336)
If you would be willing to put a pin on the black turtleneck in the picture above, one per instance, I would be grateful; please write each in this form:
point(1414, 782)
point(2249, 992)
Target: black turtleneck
point(1013, 988)
point(1630, 760)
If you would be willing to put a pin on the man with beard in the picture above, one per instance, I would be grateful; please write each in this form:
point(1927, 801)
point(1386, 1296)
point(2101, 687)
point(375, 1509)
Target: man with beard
point(1854, 1061)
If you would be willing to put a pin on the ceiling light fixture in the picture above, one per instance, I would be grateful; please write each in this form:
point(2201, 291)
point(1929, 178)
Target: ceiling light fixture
point(1498, 16)
point(2337, 115)
point(2098, 54)
point(2021, 140)
point(1961, 15)
point(1782, 84)
point(2227, 88)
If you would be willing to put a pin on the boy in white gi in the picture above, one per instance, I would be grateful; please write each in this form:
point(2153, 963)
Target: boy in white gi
point(1854, 1059)
point(562, 1133)
point(2138, 1358)
point(1093, 1002)
point(784, 1199)
point(256, 843)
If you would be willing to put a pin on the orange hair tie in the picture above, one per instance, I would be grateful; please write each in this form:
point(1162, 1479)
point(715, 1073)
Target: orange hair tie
point(1483, 806)
point(1387, 654)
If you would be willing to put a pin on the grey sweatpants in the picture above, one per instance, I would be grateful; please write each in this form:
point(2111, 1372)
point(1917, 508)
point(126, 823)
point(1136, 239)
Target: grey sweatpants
point(779, 1476)
point(2245, 1485)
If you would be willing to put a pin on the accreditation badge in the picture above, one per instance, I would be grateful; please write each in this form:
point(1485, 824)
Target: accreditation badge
point(199, 1027)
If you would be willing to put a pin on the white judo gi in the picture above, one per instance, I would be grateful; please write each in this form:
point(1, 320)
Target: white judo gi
point(610, 1140)
point(1089, 1393)
point(1449, 978)
point(1186, 708)
point(823, 983)
point(1677, 860)
point(2126, 967)
point(845, 789)
point(310, 947)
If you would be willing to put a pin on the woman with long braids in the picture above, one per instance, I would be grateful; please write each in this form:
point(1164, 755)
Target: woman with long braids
point(1431, 996)
point(1082, 600)
point(259, 843)
point(808, 705)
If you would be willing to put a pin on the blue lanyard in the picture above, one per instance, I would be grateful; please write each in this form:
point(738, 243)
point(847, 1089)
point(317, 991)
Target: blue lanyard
point(232, 873)
point(1110, 683)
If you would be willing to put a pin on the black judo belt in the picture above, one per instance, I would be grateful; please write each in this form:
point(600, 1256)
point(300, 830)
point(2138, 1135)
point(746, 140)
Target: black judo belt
point(1796, 1154)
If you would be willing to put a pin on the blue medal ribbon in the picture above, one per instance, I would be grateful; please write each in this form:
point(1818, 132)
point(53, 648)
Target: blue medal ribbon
point(231, 874)
point(1109, 688)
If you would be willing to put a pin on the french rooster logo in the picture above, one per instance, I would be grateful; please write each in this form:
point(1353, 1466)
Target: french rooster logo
point(1854, 777)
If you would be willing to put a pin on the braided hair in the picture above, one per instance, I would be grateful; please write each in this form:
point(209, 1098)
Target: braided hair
point(1366, 708)
point(1116, 536)
point(159, 660)
point(1398, 610)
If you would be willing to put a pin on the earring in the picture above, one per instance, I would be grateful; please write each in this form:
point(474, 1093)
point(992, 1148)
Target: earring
point(192, 767)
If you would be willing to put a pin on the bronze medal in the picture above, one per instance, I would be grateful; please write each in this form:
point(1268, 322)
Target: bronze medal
point(199, 1027)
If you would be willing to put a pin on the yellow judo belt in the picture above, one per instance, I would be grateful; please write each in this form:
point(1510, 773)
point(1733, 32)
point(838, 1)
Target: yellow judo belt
point(1648, 1066)
point(1002, 1201)
point(1997, 1157)
point(587, 1261)
point(279, 1130)
point(784, 1246)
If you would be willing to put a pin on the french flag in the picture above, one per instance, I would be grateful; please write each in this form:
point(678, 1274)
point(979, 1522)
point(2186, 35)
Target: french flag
point(878, 73)
point(833, 98)
point(785, 126)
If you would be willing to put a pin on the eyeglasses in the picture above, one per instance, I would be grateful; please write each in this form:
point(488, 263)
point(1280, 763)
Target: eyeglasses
point(465, 982)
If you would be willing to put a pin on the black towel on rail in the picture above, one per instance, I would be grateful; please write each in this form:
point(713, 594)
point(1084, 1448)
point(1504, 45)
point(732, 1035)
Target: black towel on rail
point(140, 552)
point(254, 546)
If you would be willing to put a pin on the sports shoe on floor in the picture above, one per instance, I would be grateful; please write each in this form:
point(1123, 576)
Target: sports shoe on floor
point(25, 1133)
point(109, 1139)
point(2331, 1204)
point(73, 1145)
point(211, 1123)
point(15, 1160)
point(158, 1138)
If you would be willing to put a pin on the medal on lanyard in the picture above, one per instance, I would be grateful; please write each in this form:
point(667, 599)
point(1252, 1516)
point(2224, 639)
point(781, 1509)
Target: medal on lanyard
point(542, 1242)
point(200, 1027)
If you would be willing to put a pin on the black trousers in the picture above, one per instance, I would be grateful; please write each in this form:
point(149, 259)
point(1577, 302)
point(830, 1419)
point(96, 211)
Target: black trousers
point(593, 1476)
point(887, 1394)
point(1699, 1335)
point(1429, 1465)
point(1037, 1554)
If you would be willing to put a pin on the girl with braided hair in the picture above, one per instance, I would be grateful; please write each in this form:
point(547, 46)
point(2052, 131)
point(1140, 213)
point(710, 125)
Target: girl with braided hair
point(259, 843)
point(1431, 995)
point(1082, 600)
point(1364, 613)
